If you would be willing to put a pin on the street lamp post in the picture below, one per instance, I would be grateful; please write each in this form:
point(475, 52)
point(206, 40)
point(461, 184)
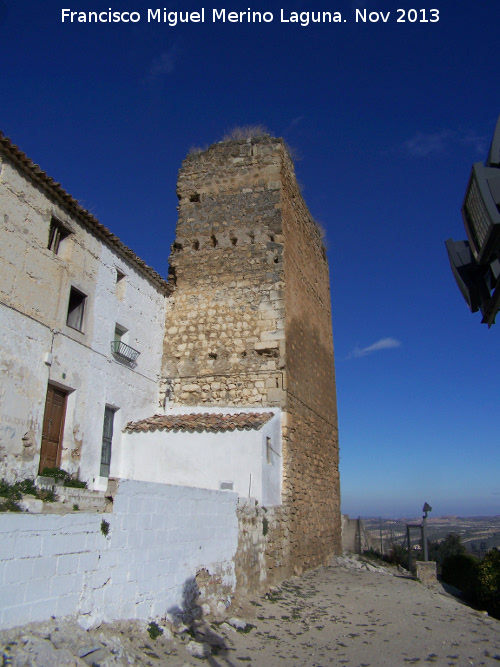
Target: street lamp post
point(427, 508)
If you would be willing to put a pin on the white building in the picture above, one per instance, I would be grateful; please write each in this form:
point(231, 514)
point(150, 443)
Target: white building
point(230, 449)
point(81, 330)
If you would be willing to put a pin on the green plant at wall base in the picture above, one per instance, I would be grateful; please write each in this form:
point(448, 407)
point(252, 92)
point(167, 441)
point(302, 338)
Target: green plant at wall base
point(11, 494)
point(10, 506)
point(75, 507)
point(75, 483)
point(265, 526)
point(63, 476)
point(9, 491)
point(47, 495)
point(55, 473)
point(104, 527)
point(27, 487)
point(14, 492)
point(154, 630)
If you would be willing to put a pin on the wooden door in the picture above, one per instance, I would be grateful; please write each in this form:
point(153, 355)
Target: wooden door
point(53, 426)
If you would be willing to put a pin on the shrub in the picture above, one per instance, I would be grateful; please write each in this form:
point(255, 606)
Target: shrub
point(462, 571)
point(11, 494)
point(450, 546)
point(488, 592)
point(47, 495)
point(27, 487)
point(246, 132)
point(9, 491)
point(398, 555)
point(372, 554)
point(63, 476)
point(10, 505)
point(154, 630)
point(14, 492)
point(75, 483)
point(55, 473)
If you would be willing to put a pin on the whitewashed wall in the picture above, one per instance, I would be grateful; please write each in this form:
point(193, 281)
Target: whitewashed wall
point(206, 459)
point(37, 347)
point(159, 538)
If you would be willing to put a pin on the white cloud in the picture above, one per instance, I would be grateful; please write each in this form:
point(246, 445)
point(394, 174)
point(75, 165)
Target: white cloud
point(478, 142)
point(427, 143)
point(382, 344)
point(423, 144)
point(293, 124)
point(161, 66)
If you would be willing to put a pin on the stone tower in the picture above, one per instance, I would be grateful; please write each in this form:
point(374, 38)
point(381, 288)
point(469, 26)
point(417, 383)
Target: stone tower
point(250, 324)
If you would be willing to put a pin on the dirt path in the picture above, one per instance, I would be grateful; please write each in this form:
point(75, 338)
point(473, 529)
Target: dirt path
point(338, 615)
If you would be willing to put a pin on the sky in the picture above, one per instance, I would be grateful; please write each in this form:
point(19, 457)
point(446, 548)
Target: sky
point(385, 118)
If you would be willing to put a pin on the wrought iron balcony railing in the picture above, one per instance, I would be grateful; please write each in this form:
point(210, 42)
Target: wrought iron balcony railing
point(124, 352)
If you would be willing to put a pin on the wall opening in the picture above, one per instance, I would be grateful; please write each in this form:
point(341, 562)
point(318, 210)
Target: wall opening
point(107, 438)
point(76, 309)
point(57, 234)
point(120, 284)
point(226, 486)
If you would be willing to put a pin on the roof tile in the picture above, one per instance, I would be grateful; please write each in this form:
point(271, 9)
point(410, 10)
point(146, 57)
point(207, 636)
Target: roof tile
point(207, 421)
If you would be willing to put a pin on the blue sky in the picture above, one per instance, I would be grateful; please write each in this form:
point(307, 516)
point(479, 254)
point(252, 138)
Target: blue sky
point(386, 119)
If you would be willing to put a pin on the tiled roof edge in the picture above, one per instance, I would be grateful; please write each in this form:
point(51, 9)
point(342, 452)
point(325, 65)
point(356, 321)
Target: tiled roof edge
point(161, 423)
point(22, 161)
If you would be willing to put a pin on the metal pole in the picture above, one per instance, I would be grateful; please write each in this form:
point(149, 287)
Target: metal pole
point(424, 538)
point(427, 508)
point(409, 546)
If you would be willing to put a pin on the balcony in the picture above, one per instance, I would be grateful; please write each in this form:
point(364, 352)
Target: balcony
point(124, 353)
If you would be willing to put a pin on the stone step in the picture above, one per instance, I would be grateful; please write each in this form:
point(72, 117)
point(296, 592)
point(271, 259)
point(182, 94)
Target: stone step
point(71, 498)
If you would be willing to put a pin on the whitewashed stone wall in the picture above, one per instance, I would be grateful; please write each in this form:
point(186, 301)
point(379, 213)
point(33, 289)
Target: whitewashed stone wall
point(37, 346)
point(206, 459)
point(159, 538)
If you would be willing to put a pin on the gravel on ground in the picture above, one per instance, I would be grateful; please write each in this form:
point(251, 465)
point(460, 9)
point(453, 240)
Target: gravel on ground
point(349, 613)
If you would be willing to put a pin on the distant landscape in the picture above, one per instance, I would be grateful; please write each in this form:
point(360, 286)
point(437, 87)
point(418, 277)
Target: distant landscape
point(478, 534)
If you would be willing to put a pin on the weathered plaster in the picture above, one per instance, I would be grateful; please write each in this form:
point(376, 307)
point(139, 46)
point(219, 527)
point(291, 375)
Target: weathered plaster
point(37, 346)
point(205, 459)
point(145, 567)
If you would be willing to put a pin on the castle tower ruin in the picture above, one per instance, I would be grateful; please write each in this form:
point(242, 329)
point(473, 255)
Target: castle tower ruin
point(249, 324)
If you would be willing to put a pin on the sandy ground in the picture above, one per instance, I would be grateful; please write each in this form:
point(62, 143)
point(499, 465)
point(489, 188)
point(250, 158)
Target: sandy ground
point(337, 615)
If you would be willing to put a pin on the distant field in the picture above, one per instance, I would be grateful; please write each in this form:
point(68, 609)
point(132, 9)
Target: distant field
point(479, 534)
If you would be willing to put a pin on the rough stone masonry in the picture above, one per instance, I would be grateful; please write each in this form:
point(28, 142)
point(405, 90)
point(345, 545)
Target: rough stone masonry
point(250, 325)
